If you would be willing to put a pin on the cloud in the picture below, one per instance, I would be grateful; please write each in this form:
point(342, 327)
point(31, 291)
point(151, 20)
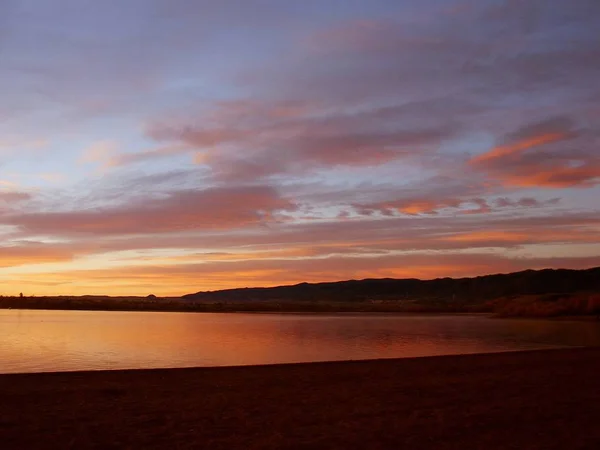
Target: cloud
point(14, 196)
point(124, 159)
point(529, 137)
point(563, 176)
point(251, 140)
point(355, 235)
point(543, 155)
point(76, 66)
point(367, 92)
point(453, 190)
point(33, 253)
point(525, 202)
point(99, 152)
point(490, 50)
point(517, 147)
point(211, 208)
point(285, 252)
point(465, 205)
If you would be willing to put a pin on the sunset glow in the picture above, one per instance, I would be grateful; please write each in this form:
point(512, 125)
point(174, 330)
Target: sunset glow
point(169, 147)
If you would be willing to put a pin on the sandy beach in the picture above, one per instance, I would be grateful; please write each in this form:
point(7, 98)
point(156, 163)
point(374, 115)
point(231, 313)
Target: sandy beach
point(527, 400)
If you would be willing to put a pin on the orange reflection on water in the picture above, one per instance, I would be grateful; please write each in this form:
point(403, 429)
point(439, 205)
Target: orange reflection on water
point(33, 341)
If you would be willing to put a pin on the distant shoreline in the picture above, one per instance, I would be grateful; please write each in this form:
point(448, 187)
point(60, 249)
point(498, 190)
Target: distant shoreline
point(570, 305)
point(535, 399)
point(182, 305)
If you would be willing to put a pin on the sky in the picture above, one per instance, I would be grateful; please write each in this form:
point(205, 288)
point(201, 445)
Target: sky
point(173, 146)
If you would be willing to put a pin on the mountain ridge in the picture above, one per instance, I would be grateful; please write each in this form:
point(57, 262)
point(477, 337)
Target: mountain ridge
point(484, 287)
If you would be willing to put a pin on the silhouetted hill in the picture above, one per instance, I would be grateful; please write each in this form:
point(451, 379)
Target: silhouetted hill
point(463, 290)
point(543, 293)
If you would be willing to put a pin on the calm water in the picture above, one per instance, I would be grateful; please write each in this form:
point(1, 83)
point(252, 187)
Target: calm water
point(40, 341)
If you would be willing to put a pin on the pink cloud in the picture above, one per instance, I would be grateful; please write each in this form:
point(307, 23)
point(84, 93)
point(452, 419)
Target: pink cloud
point(14, 196)
point(212, 208)
point(252, 140)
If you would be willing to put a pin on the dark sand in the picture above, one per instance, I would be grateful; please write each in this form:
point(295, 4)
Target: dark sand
point(530, 400)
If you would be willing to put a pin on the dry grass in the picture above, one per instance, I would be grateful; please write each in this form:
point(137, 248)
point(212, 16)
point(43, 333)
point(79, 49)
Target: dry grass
point(185, 305)
point(549, 305)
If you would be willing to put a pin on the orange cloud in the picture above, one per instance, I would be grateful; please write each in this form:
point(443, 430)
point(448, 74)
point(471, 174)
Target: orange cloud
point(489, 236)
point(548, 167)
point(519, 146)
point(418, 208)
point(524, 236)
point(555, 177)
point(20, 255)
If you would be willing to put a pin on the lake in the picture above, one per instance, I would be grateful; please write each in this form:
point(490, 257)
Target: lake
point(44, 341)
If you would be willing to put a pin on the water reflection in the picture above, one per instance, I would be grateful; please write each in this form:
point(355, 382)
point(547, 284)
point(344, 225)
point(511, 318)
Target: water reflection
point(33, 341)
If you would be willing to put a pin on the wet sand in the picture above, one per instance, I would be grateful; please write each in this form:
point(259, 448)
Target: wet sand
point(528, 400)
